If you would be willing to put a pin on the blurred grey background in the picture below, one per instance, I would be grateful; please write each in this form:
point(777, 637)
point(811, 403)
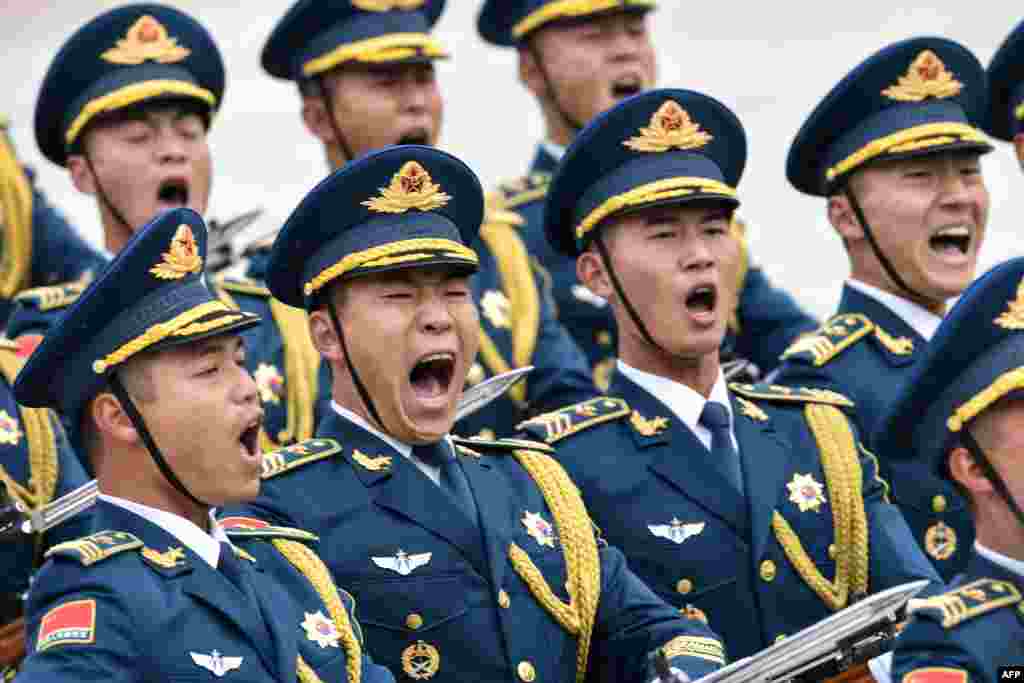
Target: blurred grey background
point(770, 62)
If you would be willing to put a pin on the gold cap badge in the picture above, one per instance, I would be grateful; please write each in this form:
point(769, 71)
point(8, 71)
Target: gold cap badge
point(410, 188)
point(182, 259)
point(387, 5)
point(671, 128)
point(147, 39)
point(926, 77)
point(1013, 317)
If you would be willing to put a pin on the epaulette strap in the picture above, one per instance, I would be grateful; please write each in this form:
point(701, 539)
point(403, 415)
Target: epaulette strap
point(829, 340)
point(504, 444)
point(89, 550)
point(579, 548)
point(967, 602)
point(41, 427)
point(243, 285)
point(312, 567)
point(249, 527)
point(774, 392)
point(297, 455)
point(52, 297)
point(556, 425)
point(525, 189)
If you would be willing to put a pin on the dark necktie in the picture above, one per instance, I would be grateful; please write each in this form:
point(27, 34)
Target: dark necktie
point(715, 418)
point(453, 479)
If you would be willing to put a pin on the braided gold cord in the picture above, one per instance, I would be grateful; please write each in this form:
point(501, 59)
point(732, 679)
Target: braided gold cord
point(579, 546)
point(305, 672)
point(301, 363)
point(41, 443)
point(566, 615)
point(312, 567)
point(15, 222)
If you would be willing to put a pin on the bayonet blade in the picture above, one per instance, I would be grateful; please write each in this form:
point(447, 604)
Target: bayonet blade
point(476, 397)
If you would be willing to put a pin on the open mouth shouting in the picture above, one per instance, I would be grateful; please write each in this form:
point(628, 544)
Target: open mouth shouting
point(173, 192)
point(418, 136)
point(952, 243)
point(250, 440)
point(626, 85)
point(702, 304)
point(431, 377)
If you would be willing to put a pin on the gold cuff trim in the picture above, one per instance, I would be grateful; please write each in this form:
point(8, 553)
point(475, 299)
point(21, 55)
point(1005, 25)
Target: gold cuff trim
point(131, 94)
point(652, 192)
point(181, 325)
point(1004, 384)
point(572, 8)
point(389, 254)
point(392, 47)
point(695, 646)
point(911, 139)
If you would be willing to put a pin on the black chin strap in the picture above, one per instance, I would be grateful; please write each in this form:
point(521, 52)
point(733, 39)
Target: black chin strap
point(990, 473)
point(603, 251)
point(101, 194)
point(360, 387)
point(886, 264)
point(325, 97)
point(147, 438)
point(574, 125)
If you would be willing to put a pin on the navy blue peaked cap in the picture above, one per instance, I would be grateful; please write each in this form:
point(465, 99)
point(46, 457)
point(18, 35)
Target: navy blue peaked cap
point(510, 22)
point(132, 54)
point(315, 36)
point(975, 358)
point(405, 206)
point(1006, 88)
point(151, 296)
point(915, 97)
point(659, 147)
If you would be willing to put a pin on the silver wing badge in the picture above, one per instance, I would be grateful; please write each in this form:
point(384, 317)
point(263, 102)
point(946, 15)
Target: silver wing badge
point(402, 563)
point(215, 663)
point(676, 531)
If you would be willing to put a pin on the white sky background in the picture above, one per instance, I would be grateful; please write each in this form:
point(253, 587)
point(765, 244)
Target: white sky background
point(770, 62)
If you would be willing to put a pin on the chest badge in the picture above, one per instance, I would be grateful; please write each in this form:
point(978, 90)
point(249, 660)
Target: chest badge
point(676, 531)
point(421, 661)
point(940, 541)
point(10, 433)
point(269, 382)
point(496, 308)
point(215, 663)
point(321, 630)
point(539, 528)
point(402, 563)
point(806, 493)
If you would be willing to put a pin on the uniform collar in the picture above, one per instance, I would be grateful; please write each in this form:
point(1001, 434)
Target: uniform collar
point(205, 545)
point(554, 150)
point(403, 448)
point(686, 403)
point(1011, 565)
point(922, 321)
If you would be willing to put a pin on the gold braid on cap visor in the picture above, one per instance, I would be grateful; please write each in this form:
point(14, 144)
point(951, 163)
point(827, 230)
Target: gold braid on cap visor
point(393, 47)
point(567, 9)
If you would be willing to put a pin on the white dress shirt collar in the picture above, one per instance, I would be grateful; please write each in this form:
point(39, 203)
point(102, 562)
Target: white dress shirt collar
point(1008, 563)
point(555, 150)
point(403, 448)
point(923, 321)
point(205, 545)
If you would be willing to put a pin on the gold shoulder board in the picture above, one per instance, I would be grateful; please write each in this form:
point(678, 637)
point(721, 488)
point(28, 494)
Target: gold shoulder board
point(89, 550)
point(52, 296)
point(553, 426)
point(828, 341)
point(297, 455)
point(967, 602)
point(243, 285)
point(524, 189)
point(242, 528)
point(774, 392)
point(475, 442)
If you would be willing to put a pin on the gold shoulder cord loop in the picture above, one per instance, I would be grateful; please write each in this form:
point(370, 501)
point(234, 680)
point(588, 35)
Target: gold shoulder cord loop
point(579, 548)
point(15, 222)
point(843, 475)
point(301, 363)
point(312, 567)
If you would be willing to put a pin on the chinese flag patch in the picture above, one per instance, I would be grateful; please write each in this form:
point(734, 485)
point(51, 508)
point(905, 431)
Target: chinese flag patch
point(936, 675)
point(26, 344)
point(242, 523)
point(72, 622)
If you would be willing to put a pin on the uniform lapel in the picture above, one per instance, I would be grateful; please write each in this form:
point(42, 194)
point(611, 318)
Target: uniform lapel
point(496, 506)
point(678, 457)
point(764, 456)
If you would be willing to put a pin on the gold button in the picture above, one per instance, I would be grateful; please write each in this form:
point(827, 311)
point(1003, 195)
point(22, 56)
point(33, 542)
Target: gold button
point(414, 621)
point(604, 338)
point(779, 638)
point(526, 671)
point(684, 586)
point(832, 551)
point(503, 600)
point(768, 570)
point(939, 503)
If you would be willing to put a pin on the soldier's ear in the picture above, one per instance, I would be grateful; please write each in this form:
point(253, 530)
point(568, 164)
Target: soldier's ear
point(530, 74)
point(843, 218)
point(592, 273)
point(317, 119)
point(81, 174)
point(966, 471)
point(112, 421)
point(325, 337)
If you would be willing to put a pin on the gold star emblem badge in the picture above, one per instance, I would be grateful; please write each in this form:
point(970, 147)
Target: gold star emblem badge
point(147, 39)
point(181, 259)
point(807, 493)
point(321, 630)
point(10, 432)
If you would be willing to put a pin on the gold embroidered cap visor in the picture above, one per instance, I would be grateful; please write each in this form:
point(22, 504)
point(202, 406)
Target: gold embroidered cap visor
point(407, 206)
point(129, 55)
point(314, 37)
point(975, 359)
point(509, 22)
point(658, 148)
point(913, 98)
point(151, 296)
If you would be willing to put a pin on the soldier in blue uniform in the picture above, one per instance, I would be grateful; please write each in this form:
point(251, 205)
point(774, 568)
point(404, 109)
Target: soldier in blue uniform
point(578, 59)
point(895, 150)
point(126, 106)
point(471, 559)
point(960, 416)
point(365, 72)
point(753, 506)
point(149, 366)
point(39, 247)
point(1004, 119)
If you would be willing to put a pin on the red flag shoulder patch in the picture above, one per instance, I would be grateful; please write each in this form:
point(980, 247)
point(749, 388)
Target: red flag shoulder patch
point(72, 622)
point(936, 674)
point(242, 523)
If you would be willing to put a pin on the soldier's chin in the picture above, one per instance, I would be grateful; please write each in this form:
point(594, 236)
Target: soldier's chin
point(421, 422)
